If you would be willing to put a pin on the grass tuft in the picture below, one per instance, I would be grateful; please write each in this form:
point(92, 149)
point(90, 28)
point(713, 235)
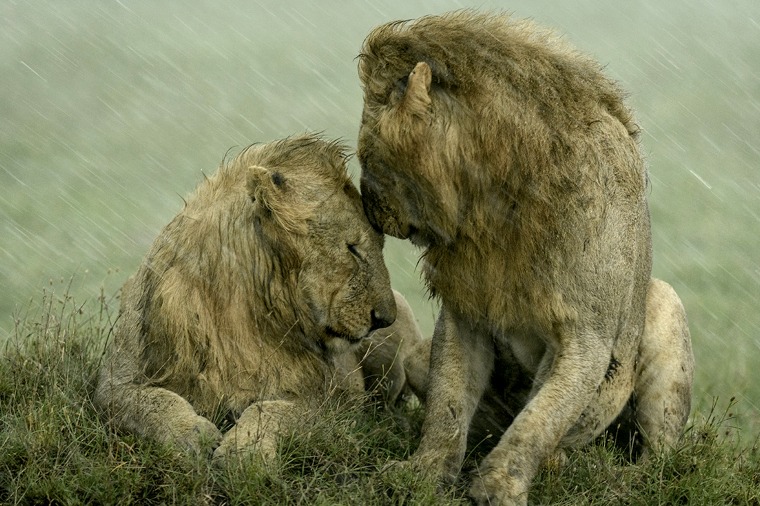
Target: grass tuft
point(710, 465)
point(54, 449)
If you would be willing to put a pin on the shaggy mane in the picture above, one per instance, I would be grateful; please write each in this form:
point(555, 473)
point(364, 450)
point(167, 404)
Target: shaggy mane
point(201, 288)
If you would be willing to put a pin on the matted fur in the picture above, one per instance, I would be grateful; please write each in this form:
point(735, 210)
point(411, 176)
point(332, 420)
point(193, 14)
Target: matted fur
point(248, 304)
point(514, 162)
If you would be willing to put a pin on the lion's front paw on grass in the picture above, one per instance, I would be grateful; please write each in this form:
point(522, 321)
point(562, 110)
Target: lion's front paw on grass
point(497, 487)
point(240, 444)
point(405, 482)
point(199, 437)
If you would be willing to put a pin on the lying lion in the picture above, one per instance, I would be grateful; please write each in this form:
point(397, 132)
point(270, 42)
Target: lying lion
point(253, 305)
point(514, 162)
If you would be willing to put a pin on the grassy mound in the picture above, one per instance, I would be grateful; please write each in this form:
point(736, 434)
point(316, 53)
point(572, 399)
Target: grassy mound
point(54, 448)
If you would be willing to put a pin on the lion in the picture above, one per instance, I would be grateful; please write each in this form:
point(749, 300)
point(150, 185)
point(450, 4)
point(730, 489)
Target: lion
point(253, 305)
point(515, 164)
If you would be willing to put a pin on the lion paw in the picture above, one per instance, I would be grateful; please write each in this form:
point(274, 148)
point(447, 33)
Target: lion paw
point(495, 487)
point(240, 442)
point(198, 436)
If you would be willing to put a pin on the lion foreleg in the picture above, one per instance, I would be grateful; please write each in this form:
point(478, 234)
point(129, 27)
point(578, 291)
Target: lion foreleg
point(257, 430)
point(461, 361)
point(158, 414)
point(382, 366)
point(577, 370)
point(666, 370)
point(149, 411)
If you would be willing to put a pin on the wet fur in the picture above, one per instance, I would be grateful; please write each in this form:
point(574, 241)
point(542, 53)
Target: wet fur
point(252, 304)
point(514, 162)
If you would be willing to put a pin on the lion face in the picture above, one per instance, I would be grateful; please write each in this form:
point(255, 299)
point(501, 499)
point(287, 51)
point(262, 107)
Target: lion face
point(310, 213)
point(343, 278)
point(404, 149)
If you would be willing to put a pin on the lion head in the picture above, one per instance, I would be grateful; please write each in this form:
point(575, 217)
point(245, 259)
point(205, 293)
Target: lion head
point(467, 115)
point(307, 209)
point(398, 141)
point(274, 244)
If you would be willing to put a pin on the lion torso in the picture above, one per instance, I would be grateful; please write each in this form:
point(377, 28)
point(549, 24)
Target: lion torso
point(530, 253)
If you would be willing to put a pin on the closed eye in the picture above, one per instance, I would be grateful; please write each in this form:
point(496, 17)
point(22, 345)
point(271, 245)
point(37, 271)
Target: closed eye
point(354, 250)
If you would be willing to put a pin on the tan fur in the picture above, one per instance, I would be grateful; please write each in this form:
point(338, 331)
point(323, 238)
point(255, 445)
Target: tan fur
point(395, 360)
point(514, 162)
point(250, 304)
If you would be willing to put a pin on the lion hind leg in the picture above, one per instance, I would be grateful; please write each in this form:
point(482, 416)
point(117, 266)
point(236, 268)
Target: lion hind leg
point(417, 368)
point(666, 369)
point(396, 359)
point(256, 431)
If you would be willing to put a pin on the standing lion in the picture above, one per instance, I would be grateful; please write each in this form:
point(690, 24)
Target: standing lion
point(513, 161)
point(252, 304)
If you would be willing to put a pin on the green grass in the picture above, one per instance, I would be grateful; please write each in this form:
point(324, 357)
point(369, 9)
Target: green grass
point(54, 449)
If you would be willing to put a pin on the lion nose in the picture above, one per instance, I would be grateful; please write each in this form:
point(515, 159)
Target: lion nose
point(382, 319)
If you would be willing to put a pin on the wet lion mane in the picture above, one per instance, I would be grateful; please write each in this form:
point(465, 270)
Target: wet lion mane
point(228, 262)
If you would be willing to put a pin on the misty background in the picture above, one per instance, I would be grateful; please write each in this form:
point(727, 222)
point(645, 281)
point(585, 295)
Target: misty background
point(111, 110)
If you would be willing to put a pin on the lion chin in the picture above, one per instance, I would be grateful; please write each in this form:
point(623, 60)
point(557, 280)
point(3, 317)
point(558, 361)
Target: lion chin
point(337, 344)
point(334, 336)
point(218, 321)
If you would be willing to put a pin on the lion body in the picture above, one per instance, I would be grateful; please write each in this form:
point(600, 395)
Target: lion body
point(514, 162)
point(252, 304)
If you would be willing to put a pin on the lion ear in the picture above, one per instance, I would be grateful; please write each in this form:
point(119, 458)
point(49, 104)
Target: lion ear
point(269, 191)
point(417, 96)
point(264, 183)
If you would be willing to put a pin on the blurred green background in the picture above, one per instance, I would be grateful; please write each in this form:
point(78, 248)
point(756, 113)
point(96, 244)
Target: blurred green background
point(109, 111)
